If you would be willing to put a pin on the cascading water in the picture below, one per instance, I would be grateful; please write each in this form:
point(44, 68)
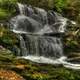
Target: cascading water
point(34, 27)
point(23, 46)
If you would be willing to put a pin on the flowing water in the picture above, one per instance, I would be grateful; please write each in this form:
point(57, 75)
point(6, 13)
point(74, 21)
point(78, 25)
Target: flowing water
point(35, 27)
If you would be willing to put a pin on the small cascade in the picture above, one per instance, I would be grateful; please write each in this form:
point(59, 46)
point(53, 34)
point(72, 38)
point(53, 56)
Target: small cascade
point(21, 8)
point(25, 24)
point(23, 47)
point(34, 26)
point(44, 46)
point(61, 20)
point(43, 15)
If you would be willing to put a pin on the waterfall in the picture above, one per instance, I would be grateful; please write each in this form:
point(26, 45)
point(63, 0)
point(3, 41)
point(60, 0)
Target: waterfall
point(34, 27)
point(43, 46)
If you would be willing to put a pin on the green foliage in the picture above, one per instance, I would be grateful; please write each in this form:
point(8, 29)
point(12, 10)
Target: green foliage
point(71, 38)
point(46, 4)
point(72, 10)
point(34, 71)
point(4, 14)
point(7, 8)
point(7, 4)
point(60, 5)
point(7, 38)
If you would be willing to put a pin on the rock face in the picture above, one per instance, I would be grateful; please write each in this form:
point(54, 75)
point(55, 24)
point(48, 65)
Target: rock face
point(9, 75)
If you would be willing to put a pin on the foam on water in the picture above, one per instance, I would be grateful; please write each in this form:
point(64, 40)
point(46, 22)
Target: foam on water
point(42, 59)
point(61, 60)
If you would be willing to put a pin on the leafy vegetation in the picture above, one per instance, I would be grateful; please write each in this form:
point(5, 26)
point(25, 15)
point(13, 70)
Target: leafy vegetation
point(8, 39)
point(71, 38)
point(4, 14)
point(60, 5)
point(7, 9)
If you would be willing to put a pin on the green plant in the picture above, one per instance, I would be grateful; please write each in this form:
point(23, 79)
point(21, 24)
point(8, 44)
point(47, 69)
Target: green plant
point(7, 8)
point(60, 5)
point(4, 14)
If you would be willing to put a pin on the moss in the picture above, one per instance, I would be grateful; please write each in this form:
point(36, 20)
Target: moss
point(34, 71)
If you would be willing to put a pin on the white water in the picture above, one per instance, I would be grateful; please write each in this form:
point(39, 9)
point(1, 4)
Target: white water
point(63, 21)
point(21, 8)
point(23, 46)
point(61, 60)
point(42, 59)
